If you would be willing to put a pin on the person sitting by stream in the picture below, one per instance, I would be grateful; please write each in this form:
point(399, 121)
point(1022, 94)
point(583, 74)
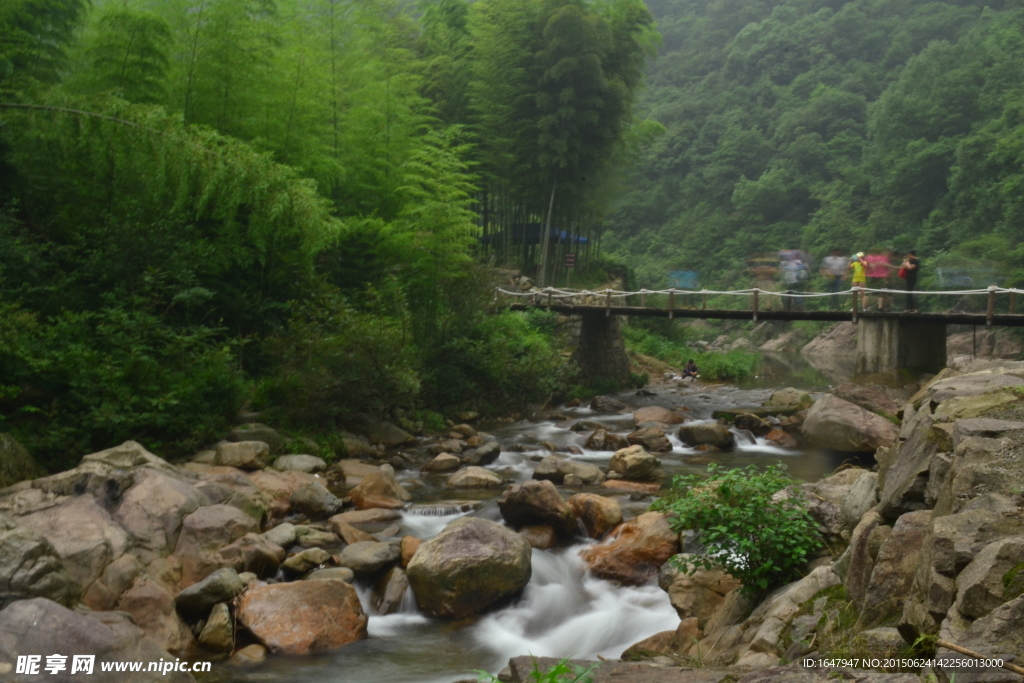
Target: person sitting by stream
point(691, 370)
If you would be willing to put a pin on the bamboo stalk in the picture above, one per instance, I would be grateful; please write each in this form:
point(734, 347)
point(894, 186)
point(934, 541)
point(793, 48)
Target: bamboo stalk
point(970, 653)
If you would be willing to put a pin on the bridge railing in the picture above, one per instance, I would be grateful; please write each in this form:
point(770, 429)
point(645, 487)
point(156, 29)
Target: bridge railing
point(754, 299)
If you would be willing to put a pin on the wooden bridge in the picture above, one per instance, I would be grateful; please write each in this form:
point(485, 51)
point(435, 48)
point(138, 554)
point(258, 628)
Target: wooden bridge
point(886, 340)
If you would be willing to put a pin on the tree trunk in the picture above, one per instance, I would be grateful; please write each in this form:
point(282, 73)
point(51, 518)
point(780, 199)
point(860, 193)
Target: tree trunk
point(546, 235)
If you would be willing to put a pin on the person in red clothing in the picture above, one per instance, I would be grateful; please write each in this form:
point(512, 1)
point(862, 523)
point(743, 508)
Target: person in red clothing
point(878, 269)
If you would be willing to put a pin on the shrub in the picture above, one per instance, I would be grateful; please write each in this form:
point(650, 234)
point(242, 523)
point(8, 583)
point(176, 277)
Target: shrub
point(82, 382)
point(761, 541)
point(562, 672)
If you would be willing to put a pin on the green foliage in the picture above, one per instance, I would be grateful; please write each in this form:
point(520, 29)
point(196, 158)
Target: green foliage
point(828, 125)
point(762, 542)
point(562, 672)
point(33, 39)
point(333, 360)
point(639, 380)
point(1013, 582)
point(716, 366)
point(81, 382)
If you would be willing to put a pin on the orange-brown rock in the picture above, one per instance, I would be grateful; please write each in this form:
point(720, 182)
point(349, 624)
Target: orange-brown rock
point(781, 438)
point(537, 502)
point(598, 513)
point(304, 616)
point(372, 516)
point(410, 544)
point(635, 550)
point(348, 532)
point(379, 490)
point(540, 536)
point(623, 485)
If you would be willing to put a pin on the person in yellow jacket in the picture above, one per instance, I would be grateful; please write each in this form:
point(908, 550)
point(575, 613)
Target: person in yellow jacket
point(859, 280)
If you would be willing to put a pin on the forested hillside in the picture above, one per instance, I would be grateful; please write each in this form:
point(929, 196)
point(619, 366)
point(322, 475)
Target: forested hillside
point(820, 124)
point(206, 204)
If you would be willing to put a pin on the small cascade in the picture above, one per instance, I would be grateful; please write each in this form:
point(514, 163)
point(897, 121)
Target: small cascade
point(444, 508)
point(743, 437)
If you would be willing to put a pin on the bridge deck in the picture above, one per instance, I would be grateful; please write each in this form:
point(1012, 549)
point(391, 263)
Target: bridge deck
point(1001, 319)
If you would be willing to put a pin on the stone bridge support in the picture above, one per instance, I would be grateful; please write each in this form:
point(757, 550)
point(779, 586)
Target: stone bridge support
point(885, 344)
point(601, 353)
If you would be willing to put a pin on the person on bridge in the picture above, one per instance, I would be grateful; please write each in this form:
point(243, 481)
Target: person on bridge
point(859, 267)
point(878, 270)
point(908, 271)
point(691, 370)
point(833, 269)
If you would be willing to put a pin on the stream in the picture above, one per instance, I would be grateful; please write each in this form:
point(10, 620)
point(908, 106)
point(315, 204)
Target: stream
point(563, 611)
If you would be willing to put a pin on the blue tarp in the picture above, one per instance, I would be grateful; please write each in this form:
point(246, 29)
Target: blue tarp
point(530, 233)
point(683, 279)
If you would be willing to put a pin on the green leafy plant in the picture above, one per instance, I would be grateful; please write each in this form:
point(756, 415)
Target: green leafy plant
point(744, 529)
point(727, 365)
point(639, 380)
point(562, 672)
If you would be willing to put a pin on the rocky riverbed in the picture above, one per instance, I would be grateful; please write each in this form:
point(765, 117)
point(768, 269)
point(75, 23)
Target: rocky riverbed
point(430, 557)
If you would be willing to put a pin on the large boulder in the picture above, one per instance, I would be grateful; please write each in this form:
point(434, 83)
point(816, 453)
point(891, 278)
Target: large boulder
point(903, 480)
point(599, 514)
point(707, 434)
point(389, 590)
point(789, 399)
point(204, 533)
point(15, 462)
point(304, 616)
point(482, 455)
point(370, 557)
point(152, 511)
point(40, 626)
point(254, 431)
point(635, 464)
point(31, 568)
point(196, 601)
point(255, 554)
point(657, 414)
point(305, 560)
point(151, 605)
point(895, 566)
point(843, 426)
point(472, 565)
point(838, 340)
point(868, 397)
point(998, 634)
point(83, 534)
point(651, 439)
point(607, 404)
point(474, 477)
point(315, 501)
point(985, 583)
point(218, 634)
point(697, 594)
point(300, 463)
point(603, 440)
point(555, 468)
point(537, 502)
point(445, 462)
point(117, 577)
point(973, 384)
point(245, 455)
point(379, 489)
point(635, 551)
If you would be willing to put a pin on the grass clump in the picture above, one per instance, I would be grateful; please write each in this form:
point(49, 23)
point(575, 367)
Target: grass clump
point(716, 366)
point(562, 672)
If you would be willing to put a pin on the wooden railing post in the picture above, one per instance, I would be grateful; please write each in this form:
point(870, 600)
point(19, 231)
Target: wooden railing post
point(756, 297)
point(549, 298)
point(1013, 302)
point(991, 305)
point(856, 302)
point(704, 299)
point(643, 298)
point(608, 303)
point(671, 302)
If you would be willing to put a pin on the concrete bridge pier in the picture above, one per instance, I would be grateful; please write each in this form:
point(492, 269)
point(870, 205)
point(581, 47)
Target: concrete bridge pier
point(601, 353)
point(885, 344)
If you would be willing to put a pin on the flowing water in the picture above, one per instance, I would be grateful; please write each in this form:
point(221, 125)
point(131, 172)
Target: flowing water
point(563, 611)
